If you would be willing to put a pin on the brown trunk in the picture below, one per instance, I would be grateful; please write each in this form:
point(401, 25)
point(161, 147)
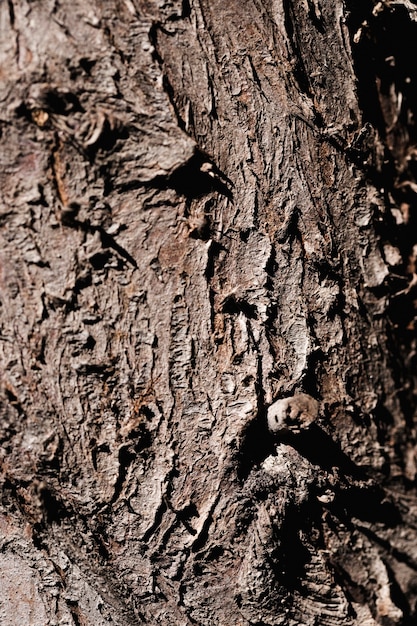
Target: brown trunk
point(207, 341)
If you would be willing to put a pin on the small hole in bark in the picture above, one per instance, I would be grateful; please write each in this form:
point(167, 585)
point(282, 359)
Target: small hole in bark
point(256, 446)
point(61, 103)
point(87, 64)
point(244, 235)
point(54, 510)
point(186, 9)
point(99, 260)
point(215, 553)
point(90, 343)
point(248, 380)
point(234, 307)
point(291, 558)
point(366, 504)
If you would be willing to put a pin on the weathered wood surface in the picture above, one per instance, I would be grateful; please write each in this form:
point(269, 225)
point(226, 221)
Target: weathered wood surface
point(207, 207)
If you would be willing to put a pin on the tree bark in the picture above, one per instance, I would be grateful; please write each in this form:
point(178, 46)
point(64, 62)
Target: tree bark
point(207, 312)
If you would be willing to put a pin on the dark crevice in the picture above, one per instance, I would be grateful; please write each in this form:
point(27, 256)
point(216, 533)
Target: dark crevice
point(203, 535)
point(322, 451)
point(109, 135)
point(87, 64)
point(299, 71)
point(199, 177)
point(398, 555)
point(156, 523)
point(59, 102)
point(234, 306)
point(316, 16)
point(398, 597)
point(383, 45)
point(354, 591)
point(14, 401)
point(168, 88)
point(368, 503)
point(126, 457)
point(313, 370)
point(184, 516)
point(186, 9)
point(75, 612)
point(11, 13)
point(255, 74)
point(195, 178)
point(291, 556)
point(110, 242)
point(100, 259)
point(54, 510)
point(257, 445)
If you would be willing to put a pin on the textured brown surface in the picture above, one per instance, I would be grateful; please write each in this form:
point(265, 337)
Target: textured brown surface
point(207, 207)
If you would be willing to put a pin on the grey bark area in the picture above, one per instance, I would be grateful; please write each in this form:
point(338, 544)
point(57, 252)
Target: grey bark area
point(207, 333)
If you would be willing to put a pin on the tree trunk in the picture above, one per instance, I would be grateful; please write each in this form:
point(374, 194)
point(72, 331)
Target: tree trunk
point(207, 312)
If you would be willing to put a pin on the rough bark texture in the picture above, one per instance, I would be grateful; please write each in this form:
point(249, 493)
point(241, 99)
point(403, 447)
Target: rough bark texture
point(206, 225)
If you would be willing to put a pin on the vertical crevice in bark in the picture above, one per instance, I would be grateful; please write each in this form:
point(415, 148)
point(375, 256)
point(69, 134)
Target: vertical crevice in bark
point(382, 45)
point(299, 71)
